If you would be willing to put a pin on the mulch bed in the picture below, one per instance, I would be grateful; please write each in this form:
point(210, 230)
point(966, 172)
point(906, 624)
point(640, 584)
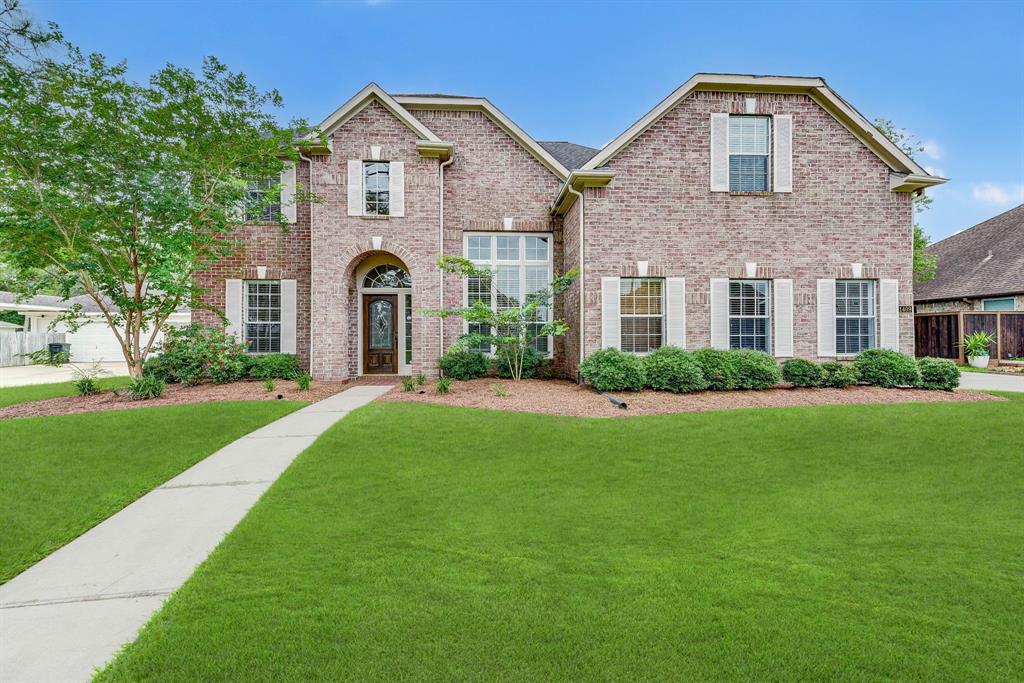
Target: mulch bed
point(561, 397)
point(249, 390)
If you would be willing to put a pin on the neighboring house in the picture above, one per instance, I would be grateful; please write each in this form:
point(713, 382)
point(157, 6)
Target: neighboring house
point(93, 340)
point(742, 211)
point(978, 269)
point(10, 327)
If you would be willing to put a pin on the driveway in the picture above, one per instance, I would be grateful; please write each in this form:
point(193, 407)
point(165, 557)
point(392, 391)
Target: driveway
point(23, 375)
point(991, 381)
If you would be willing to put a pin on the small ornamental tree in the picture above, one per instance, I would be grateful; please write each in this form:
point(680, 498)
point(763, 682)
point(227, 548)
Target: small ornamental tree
point(122, 189)
point(514, 327)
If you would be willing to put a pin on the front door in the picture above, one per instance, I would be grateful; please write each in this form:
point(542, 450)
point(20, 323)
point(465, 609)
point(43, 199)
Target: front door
point(380, 334)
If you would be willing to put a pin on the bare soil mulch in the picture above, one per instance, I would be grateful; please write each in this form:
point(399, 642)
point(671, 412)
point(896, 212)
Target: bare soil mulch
point(175, 394)
point(562, 397)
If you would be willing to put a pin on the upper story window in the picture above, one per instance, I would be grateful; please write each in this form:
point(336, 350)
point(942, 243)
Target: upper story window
point(855, 316)
point(641, 313)
point(262, 316)
point(749, 151)
point(258, 210)
point(750, 315)
point(376, 188)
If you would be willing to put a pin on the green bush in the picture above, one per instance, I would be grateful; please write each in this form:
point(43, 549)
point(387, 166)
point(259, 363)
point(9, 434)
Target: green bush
point(534, 364)
point(268, 384)
point(756, 370)
point(802, 373)
point(838, 375)
point(886, 368)
point(463, 364)
point(613, 370)
point(145, 388)
point(195, 353)
point(938, 373)
point(443, 385)
point(303, 381)
point(672, 369)
point(274, 366)
point(86, 386)
point(408, 384)
point(719, 368)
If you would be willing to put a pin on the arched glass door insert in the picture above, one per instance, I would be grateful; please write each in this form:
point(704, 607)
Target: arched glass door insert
point(387, 277)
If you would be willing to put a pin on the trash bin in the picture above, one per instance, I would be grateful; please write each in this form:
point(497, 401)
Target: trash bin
point(58, 348)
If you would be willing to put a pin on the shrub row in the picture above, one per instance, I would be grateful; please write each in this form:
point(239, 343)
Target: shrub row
point(197, 353)
point(878, 367)
point(673, 369)
point(463, 364)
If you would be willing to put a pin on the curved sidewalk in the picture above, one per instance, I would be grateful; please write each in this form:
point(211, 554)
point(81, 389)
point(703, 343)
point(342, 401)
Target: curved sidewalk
point(71, 612)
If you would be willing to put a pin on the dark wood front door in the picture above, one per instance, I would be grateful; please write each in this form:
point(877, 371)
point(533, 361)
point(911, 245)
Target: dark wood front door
point(380, 334)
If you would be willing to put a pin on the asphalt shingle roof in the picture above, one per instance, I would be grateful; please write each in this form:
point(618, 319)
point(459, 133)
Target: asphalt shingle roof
point(569, 154)
point(986, 260)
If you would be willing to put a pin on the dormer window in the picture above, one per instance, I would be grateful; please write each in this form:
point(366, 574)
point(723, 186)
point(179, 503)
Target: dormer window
point(749, 151)
point(376, 188)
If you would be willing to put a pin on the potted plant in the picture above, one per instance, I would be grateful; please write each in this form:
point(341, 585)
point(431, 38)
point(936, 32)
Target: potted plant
point(976, 348)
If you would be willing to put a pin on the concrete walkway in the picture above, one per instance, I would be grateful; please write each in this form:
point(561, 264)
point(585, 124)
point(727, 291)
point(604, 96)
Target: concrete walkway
point(991, 381)
point(71, 612)
point(23, 375)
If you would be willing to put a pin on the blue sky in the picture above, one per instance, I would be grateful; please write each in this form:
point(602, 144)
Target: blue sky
point(952, 73)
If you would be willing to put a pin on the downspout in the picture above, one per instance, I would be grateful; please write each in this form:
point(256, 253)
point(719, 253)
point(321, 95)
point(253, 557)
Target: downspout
point(440, 248)
point(310, 162)
point(579, 197)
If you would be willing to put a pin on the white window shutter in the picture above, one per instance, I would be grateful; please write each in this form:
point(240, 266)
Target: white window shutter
point(611, 331)
point(233, 308)
point(782, 311)
point(889, 310)
point(396, 188)
point(288, 316)
point(355, 187)
point(675, 312)
point(826, 318)
point(719, 313)
point(719, 152)
point(783, 147)
point(288, 206)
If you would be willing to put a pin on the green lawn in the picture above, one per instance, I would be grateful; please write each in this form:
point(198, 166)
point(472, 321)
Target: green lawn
point(417, 542)
point(37, 392)
point(62, 475)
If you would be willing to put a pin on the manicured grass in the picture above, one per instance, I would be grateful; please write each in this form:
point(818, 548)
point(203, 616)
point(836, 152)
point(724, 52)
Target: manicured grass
point(62, 475)
point(416, 542)
point(37, 392)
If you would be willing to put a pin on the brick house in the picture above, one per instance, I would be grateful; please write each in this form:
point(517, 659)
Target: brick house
point(742, 211)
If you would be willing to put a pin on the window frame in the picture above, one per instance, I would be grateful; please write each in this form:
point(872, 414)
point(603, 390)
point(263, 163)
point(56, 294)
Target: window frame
point(376, 213)
point(769, 153)
point(268, 213)
point(245, 316)
point(660, 315)
point(767, 316)
point(1012, 300)
point(493, 263)
point(873, 306)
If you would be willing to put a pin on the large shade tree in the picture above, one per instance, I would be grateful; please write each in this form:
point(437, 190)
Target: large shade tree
point(123, 189)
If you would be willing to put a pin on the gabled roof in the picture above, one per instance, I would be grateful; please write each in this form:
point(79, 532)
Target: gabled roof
point(368, 94)
point(571, 155)
point(816, 88)
point(986, 260)
point(452, 103)
point(44, 303)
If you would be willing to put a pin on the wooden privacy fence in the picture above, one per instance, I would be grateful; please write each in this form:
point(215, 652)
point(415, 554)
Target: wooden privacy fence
point(940, 335)
point(15, 346)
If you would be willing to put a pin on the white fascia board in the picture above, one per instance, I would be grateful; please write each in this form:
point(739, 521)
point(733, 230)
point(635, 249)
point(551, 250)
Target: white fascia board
point(578, 180)
point(368, 94)
point(912, 182)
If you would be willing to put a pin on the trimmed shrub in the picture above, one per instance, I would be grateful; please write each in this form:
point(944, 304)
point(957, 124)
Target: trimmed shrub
point(838, 375)
point(756, 370)
point(463, 364)
point(886, 368)
point(802, 373)
point(275, 366)
point(613, 370)
point(145, 388)
point(938, 373)
point(672, 369)
point(534, 364)
point(195, 353)
point(719, 368)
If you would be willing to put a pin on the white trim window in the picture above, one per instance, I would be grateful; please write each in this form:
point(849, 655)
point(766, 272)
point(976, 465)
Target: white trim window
point(750, 315)
point(749, 153)
point(641, 314)
point(521, 265)
point(257, 211)
point(855, 316)
point(261, 316)
point(376, 188)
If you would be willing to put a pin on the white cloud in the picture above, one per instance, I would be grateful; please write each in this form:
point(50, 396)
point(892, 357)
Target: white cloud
point(933, 150)
point(993, 193)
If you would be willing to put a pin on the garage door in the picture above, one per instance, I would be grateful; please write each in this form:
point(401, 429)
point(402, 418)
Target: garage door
point(92, 342)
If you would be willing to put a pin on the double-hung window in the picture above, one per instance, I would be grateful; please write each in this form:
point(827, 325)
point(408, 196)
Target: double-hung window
point(262, 316)
point(376, 188)
point(520, 265)
point(258, 209)
point(750, 315)
point(641, 313)
point(749, 151)
point(855, 316)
